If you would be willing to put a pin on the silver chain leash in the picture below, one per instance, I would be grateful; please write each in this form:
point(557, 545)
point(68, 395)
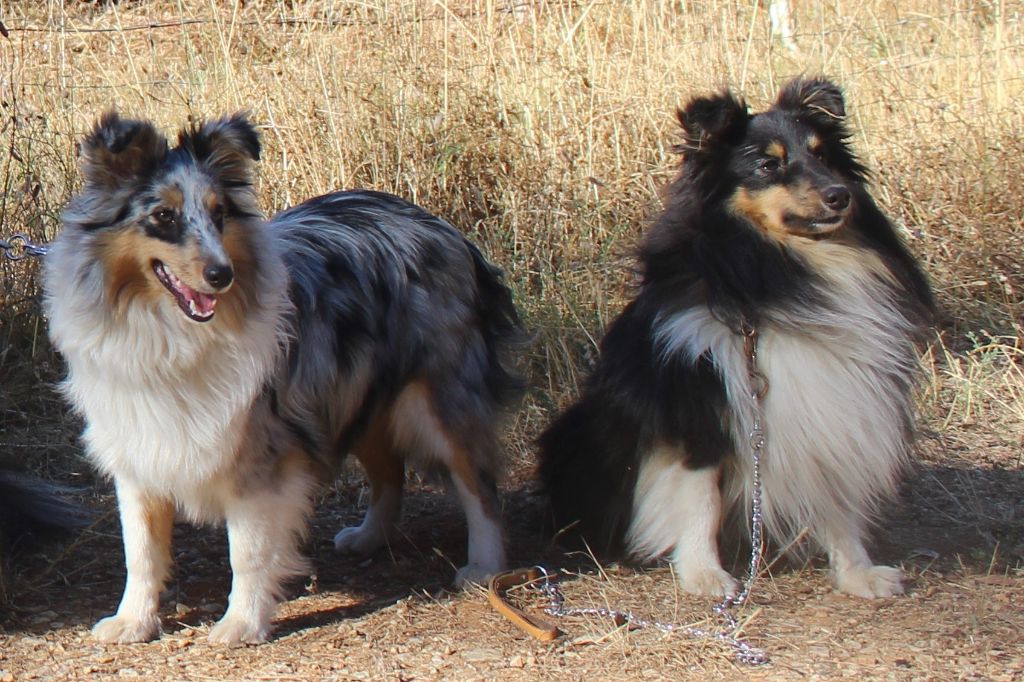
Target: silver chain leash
point(744, 652)
point(19, 246)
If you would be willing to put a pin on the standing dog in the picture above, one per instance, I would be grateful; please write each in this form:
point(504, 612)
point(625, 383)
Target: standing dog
point(769, 227)
point(222, 362)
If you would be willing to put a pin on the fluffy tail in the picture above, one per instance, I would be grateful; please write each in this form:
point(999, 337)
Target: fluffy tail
point(30, 506)
point(588, 467)
point(502, 329)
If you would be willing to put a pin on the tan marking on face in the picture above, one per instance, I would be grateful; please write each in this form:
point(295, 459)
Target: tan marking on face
point(128, 255)
point(171, 197)
point(233, 305)
point(764, 208)
point(814, 144)
point(769, 209)
point(211, 201)
point(129, 277)
point(181, 259)
point(776, 149)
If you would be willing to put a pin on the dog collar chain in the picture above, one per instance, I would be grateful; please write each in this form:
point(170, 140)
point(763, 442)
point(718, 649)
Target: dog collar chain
point(18, 246)
point(758, 390)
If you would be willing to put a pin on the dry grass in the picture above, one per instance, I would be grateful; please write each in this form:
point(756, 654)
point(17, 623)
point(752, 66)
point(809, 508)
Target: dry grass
point(542, 129)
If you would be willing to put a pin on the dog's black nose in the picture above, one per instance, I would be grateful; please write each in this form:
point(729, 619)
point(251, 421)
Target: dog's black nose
point(836, 197)
point(218, 276)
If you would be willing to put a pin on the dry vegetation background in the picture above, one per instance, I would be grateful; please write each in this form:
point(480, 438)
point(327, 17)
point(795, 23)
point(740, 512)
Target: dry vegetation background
point(543, 130)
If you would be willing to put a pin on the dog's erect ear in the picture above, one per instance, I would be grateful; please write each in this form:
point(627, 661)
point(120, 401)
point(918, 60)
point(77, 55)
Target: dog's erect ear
point(227, 146)
point(120, 151)
point(819, 98)
point(707, 120)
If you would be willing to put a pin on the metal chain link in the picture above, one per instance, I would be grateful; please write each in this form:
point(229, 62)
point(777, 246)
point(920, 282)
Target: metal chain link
point(19, 246)
point(744, 652)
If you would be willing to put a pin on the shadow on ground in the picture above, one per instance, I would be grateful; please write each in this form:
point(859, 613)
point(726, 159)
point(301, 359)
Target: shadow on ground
point(951, 515)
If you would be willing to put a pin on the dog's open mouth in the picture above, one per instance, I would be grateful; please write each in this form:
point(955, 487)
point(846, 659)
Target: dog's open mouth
point(826, 224)
point(196, 305)
point(815, 228)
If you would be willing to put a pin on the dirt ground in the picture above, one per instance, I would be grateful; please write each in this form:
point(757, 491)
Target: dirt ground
point(956, 533)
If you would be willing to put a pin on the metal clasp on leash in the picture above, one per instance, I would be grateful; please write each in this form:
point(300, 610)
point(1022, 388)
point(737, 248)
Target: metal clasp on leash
point(758, 381)
point(19, 246)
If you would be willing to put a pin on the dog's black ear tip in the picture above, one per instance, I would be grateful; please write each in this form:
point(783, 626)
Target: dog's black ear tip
point(248, 133)
point(814, 81)
point(108, 127)
point(227, 145)
point(115, 133)
point(818, 93)
point(119, 150)
point(239, 129)
point(108, 118)
point(712, 116)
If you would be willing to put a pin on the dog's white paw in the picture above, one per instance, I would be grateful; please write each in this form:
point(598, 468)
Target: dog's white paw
point(120, 629)
point(234, 630)
point(474, 574)
point(870, 582)
point(359, 540)
point(708, 581)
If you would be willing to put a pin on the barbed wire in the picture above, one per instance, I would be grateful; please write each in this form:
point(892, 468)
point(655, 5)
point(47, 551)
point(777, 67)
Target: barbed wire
point(6, 29)
point(800, 36)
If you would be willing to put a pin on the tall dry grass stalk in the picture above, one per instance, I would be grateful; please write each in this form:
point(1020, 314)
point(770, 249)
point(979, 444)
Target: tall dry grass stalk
point(543, 130)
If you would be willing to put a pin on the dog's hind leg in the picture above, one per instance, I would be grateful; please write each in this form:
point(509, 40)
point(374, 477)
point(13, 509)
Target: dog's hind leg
point(679, 508)
point(854, 571)
point(385, 469)
point(146, 523)
point(417, 427)
point(265, 526)
point(478, 493)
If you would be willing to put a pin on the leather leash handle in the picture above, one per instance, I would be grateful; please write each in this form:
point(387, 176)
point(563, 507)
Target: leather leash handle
point(532, 625)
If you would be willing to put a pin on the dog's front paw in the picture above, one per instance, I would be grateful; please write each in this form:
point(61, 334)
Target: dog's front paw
point(120, 629)
point(234, 630)
point(474, 574)
point(708, 581)
point(870, 582)
point(359, 540)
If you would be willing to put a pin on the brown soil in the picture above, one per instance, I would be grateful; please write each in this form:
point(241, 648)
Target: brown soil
point(957, 534)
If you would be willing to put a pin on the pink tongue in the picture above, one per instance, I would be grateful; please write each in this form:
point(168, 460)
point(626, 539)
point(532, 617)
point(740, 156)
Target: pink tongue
point(203, 303)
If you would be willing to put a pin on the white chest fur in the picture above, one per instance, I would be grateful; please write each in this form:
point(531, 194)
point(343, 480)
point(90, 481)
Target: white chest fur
point(166, 401)
point(838, 404)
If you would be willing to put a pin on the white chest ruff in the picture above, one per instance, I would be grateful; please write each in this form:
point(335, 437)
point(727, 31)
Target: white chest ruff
point(162, 436)
point(166, 402)
point(836, 412)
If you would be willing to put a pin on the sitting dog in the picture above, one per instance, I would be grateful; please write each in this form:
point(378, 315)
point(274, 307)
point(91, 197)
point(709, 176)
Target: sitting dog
point(768, 234)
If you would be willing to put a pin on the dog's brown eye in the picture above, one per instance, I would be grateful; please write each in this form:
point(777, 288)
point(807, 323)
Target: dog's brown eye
point(217, 216)
point(770, 165)
point(164, 216)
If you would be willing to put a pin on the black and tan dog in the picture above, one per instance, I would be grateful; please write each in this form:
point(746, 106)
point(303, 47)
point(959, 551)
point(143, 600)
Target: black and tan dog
point(769, 227)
